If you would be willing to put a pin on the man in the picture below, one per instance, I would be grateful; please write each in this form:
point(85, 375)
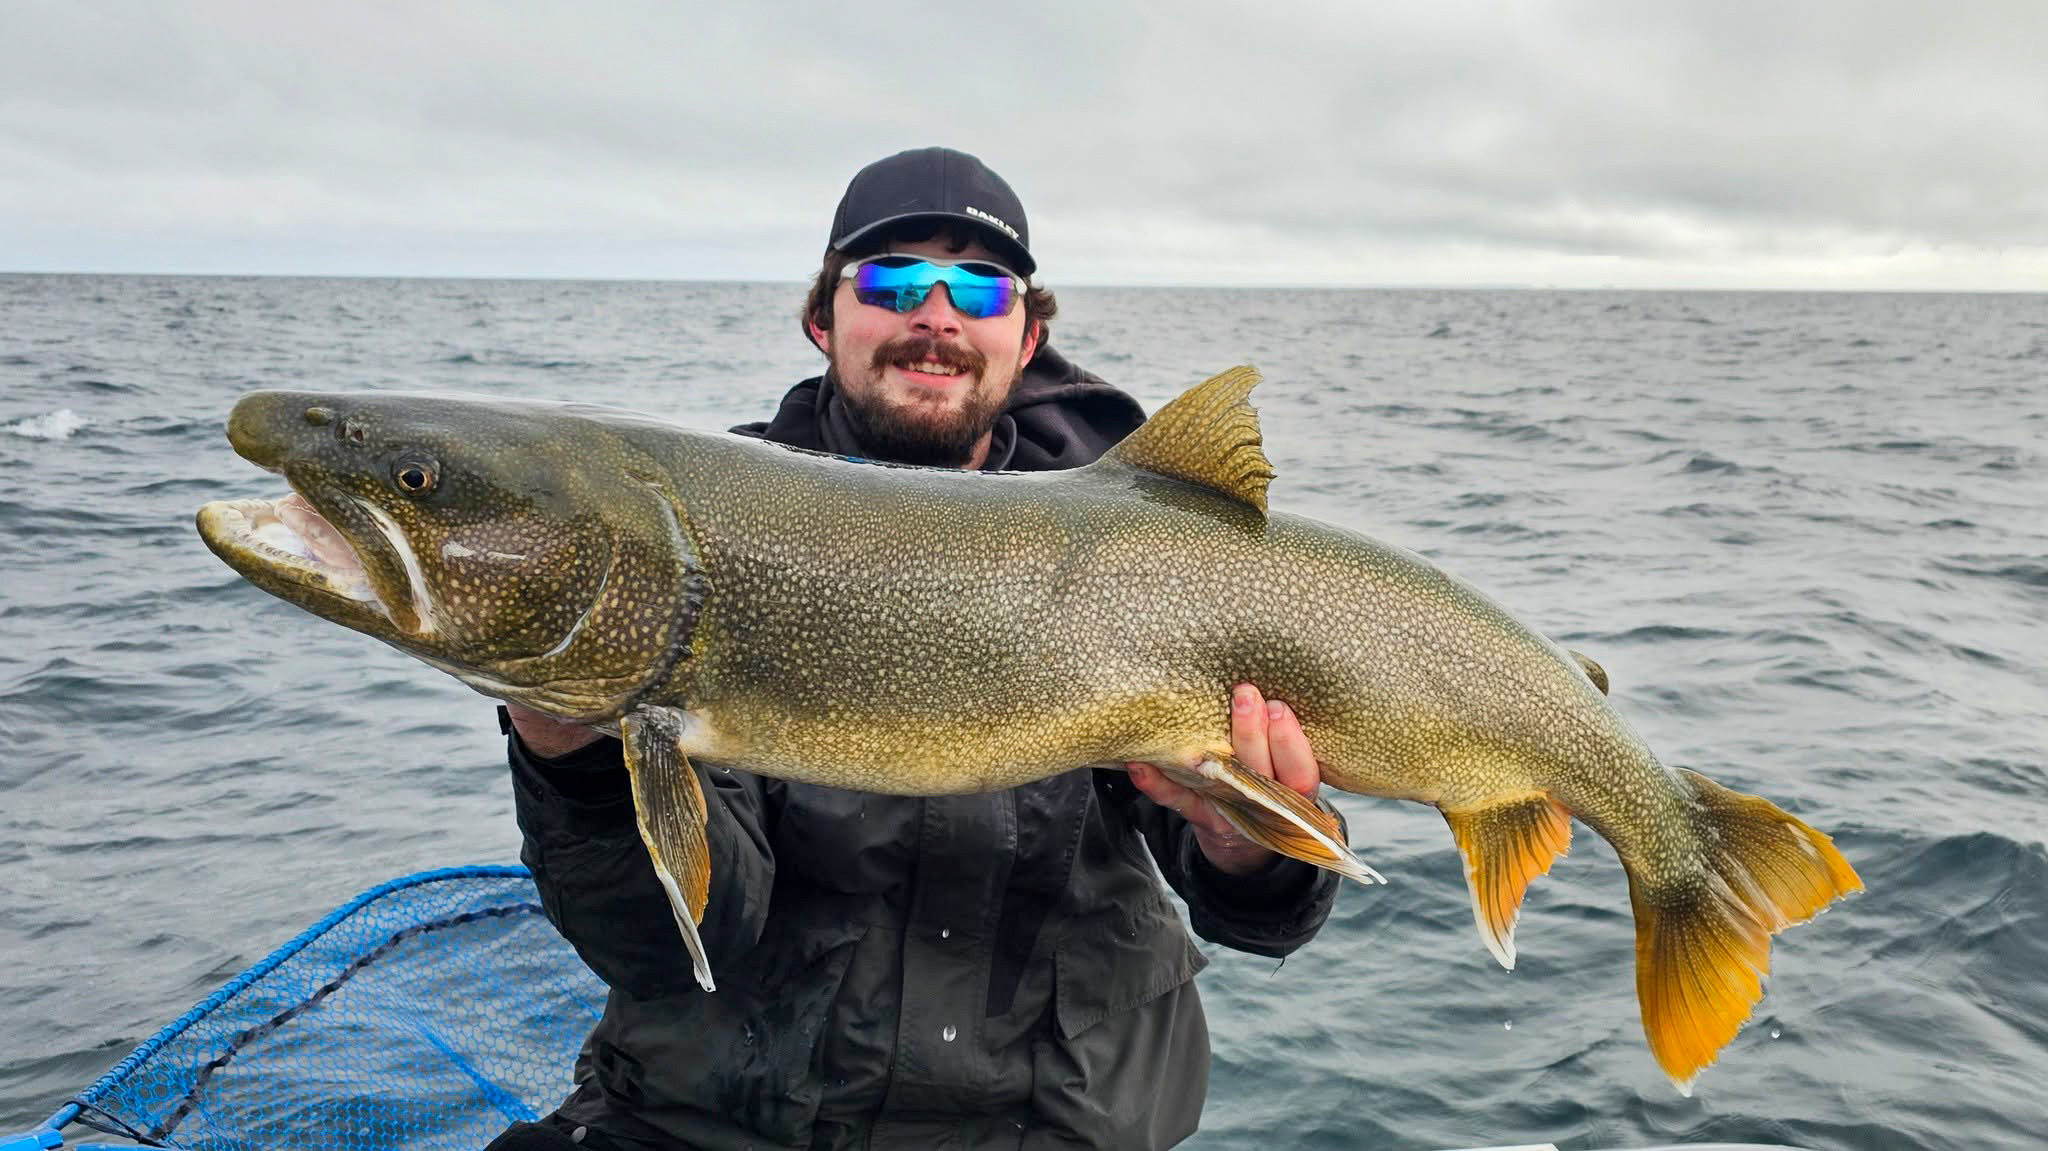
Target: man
point(997, 970)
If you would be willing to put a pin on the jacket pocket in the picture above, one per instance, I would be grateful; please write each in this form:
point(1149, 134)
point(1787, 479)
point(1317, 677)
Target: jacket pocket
point(747, 1052)
point(1105, 965)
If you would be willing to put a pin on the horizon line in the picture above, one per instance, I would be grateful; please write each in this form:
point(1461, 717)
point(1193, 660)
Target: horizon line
point(1303, 286)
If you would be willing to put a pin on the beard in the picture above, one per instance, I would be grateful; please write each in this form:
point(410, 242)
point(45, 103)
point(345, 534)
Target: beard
point(931, 431)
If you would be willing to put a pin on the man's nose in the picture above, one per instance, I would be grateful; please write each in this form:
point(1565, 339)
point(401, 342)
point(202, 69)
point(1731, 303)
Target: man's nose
point(936, 314)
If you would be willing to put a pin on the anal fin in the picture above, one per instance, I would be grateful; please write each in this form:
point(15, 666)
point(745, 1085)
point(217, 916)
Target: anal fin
point(1274, 816)
point(668, 805)
point(1505, 844)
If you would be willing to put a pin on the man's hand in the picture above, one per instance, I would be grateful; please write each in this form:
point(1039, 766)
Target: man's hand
point(1268, 740)
point(546, 736)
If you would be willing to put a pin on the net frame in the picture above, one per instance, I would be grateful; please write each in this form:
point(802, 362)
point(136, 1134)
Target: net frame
point(430, 1011)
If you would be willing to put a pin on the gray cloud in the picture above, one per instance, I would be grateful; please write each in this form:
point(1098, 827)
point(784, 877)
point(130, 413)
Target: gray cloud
point(1730, 144)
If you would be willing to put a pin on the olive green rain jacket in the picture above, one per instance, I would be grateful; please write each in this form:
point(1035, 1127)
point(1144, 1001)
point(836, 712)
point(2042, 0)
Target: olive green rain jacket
point(974, 971)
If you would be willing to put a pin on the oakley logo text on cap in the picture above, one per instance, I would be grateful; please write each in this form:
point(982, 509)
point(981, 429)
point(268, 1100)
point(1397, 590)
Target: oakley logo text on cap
point(978, 214)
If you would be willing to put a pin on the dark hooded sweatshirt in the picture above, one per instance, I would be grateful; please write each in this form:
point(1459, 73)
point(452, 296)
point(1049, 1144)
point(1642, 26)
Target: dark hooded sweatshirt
point(972, 971)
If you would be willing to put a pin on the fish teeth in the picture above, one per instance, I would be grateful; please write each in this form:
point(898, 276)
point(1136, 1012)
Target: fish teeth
point(329, 563)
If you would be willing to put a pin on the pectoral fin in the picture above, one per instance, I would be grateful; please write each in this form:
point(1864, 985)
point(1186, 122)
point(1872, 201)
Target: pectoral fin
point(1506, 844)
point(1274, 816)
point(669, 806)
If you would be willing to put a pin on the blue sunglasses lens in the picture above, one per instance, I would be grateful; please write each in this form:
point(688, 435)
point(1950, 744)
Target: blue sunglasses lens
point(901, 285)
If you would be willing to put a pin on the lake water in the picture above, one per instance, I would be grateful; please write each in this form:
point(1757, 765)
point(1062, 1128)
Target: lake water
point(1805, 534)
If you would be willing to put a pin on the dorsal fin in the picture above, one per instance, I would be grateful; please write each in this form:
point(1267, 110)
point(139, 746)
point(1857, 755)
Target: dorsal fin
point(1207, 436)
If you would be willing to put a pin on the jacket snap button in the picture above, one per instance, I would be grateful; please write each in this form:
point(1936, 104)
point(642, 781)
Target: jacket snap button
point(945, 933)
point(950, 1033)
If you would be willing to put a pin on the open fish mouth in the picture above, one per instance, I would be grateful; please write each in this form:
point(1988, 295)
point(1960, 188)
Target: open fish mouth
point(289, 541)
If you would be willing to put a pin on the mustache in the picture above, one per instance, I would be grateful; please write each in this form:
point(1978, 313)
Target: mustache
point(904, 351)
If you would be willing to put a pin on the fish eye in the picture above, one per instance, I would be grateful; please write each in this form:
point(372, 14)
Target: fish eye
point(414, 477)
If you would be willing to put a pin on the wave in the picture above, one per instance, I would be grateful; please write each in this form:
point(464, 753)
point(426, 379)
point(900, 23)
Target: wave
point(1704, 510)
point(96, 384)
point(2027, 571)
point(1654, 633)
point(496, 360)
point(1708, 462)
point(1501, 425)
point(61, 424)
point(1646, 435)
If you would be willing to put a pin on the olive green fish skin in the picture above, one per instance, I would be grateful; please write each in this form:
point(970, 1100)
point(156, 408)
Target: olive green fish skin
point(905, 630)
point(925, 631)
point(563, 579)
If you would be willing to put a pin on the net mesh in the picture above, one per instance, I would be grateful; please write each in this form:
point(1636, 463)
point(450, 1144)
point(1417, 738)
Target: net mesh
point(430, 1012)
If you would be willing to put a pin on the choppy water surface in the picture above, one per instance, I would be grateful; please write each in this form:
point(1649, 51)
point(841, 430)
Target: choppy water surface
point(1804, 533)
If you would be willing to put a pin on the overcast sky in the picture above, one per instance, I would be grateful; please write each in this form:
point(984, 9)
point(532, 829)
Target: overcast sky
point(1714, 144)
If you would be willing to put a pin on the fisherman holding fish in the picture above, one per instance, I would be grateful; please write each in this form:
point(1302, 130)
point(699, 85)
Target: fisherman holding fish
point(979, 970)
point(989, 959)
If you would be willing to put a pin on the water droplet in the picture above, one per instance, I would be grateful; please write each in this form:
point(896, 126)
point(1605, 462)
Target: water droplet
point(950, 1033)
point(1775, 1032)
point(1508, 1025)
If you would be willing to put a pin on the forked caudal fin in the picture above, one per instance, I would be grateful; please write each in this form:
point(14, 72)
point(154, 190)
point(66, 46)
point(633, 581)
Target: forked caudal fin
point(1702, 951)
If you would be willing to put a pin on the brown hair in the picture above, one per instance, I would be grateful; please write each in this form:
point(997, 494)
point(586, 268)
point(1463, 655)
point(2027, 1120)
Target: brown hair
point(1039, 305)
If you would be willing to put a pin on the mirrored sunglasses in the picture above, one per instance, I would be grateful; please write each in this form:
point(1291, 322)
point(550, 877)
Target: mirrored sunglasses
point(900, 283)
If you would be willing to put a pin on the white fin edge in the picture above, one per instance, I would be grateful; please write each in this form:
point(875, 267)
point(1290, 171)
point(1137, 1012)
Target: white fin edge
point(1503, 947)
point(700, 963)
point(1347, 864)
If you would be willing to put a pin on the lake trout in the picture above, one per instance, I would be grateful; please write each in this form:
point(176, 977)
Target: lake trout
point(926, 632)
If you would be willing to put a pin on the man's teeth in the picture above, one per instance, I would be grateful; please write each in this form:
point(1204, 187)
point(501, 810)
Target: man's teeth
point(933, 369)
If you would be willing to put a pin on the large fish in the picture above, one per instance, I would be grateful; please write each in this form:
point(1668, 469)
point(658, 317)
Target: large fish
point(926, 632)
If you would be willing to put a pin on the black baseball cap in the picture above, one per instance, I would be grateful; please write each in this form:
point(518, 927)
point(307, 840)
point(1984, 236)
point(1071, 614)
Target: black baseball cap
point(935, 184)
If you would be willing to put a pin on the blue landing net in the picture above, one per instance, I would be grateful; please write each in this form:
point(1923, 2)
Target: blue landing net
point(429, 1012)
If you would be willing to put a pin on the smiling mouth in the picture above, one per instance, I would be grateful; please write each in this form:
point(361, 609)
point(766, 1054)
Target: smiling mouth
point(932, 369)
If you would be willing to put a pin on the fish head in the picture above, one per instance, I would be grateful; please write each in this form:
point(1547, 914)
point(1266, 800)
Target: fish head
point(531, 550)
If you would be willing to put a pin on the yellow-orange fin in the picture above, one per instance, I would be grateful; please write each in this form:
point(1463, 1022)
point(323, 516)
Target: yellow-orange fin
point(1274, 816)
point(1703, 948)
point(668, 806)
point(1507, 843)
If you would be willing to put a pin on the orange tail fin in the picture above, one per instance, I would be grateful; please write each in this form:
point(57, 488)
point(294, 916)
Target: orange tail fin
point(1702, 951)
